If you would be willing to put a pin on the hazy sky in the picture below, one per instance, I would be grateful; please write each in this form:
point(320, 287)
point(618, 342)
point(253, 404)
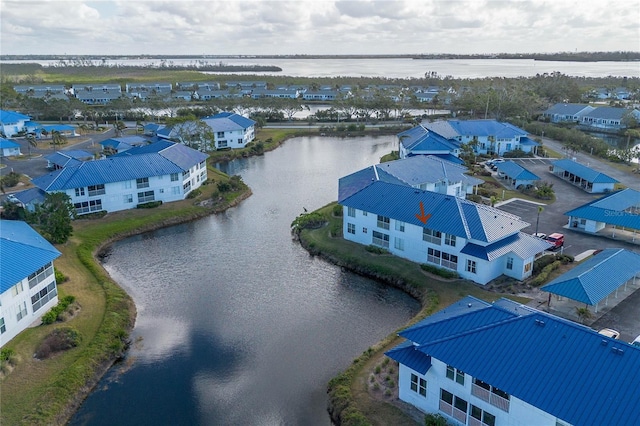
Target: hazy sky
point(254, 27)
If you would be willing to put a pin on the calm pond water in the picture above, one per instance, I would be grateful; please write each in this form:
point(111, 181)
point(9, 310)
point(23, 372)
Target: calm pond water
point(237, 324)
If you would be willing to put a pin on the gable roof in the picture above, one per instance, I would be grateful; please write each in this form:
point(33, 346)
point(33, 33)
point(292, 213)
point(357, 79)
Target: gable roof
point(607, 113)
point(596, 278)
point(521, 244)
point(68, 158)
point(32, 195)
point(582, 171)
point(174, 158)
point(420, 169)
point(421, 139)
point(621, 208)
point(516, 171)
point(7, 117)
point(226, 121)
point(448, 214)
point(545, 361)
point(568, 109)
point(6, 143)
point(24, 251)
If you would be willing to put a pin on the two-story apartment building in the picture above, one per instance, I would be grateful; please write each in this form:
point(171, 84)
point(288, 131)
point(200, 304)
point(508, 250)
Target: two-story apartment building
point(482, 364)
point(478, 242)
point(161, 171)
point(12, 122)
point(447, 136)
point(27, 282)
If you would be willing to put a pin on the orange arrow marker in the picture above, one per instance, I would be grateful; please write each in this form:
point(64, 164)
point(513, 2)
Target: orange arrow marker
point(422, 217)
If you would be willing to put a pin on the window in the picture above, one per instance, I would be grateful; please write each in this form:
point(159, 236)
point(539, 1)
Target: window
point(450, 261)
point(127, 198)
point(95, 190)
point(380, 239)
point(186, 174)
point(22, 310)
point(351, 212)
point(351, 228)
point(527, 267)
point(460, 404)
point(509, 263)
point(126, 184)
point(399, 226)
point(220, 135)
point(455, 374)
point(364, 230)
point(383, 222)
point(433, 256)
point(364, 213)
point(3, 327)
point(186, 187)
point(450, 240)
point(471, 266)
point(398, 243)
point(488, 419)
point(40, 275)
point(79, 192)
point(174, 177)
point(431, 236)
point(203, 164)
point(88, 206)
point(43, 296)
point(16, 289)
point(146, 196)
point(222, 144)
point(419, 385)
point(446, 396)
point(142, 183)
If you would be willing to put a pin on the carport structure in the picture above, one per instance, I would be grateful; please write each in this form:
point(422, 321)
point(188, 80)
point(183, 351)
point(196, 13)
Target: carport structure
point(516, 174)
point(582, 176)
point(605, 274)
point(618, 210)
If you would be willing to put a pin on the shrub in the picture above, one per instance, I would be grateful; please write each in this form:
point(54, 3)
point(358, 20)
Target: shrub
point(435, 420)
point(60, 277)
point(312, 220)
point(149, 205)
point(336, 230)
point(376, 250)
point(445, 273)
point(475, 198)
point(58, 340)
point(544, 274)
point(11, 179)
point(195, 193)
point(337, 210)
point(55, 313)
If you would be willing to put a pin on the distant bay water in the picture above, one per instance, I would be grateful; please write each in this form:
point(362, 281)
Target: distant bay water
point(396, 67)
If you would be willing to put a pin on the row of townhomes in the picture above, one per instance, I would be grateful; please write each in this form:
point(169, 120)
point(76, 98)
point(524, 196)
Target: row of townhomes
point(600, 117)
point(27, 283)
point(502, 363)
point(159, 171)
point(444, 138)
point(416, 208)
point(101, 94)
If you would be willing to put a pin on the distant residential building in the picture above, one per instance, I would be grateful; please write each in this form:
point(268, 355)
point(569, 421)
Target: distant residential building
point(608, 118)
point(320, 95)
point(503, 363)
point(12, 122)
point(27, 284)
point(9, 148)
point(567, 113)
point(97, 94)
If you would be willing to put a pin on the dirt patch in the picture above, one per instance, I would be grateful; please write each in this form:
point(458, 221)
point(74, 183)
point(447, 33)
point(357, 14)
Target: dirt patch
point(60, 339)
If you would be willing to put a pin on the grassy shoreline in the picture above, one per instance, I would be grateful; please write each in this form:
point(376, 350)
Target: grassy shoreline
point(350, 402)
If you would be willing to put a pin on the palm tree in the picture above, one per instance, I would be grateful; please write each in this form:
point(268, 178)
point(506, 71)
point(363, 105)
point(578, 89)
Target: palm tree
point(583, 314)
point(31, 142)
point(540, 210)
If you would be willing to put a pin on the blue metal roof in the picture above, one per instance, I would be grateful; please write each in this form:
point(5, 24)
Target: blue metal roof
point(566, 109)
point(7, 117)
point(154, 160)
point(620, 208)
point(58, 127)
point(607, 113)
point(408, 355)
point(562, 368)
point(448, 214)
point(124, 141)
point(68, 158)
point(515, 171)
point(228, 121)
point(527, 141)
point(582, 171)
point(420, 139)
point(421, 169)
point(350, 184)
point(35, 195)
point(522, 245)
point(596, 278)
point(6, 143)
point(24, 251)
point(448, 157)
point(486, 128)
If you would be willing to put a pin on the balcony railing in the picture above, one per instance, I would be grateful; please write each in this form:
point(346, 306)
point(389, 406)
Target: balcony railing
point(452, 411)
point(490, 397)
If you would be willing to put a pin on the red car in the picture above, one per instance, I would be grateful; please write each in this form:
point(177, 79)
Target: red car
point(557, 239)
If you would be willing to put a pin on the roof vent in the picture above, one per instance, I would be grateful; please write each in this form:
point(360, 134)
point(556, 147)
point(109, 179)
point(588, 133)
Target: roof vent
point(603, 342)
point(617, 351)
point(469, 305)
point(540, 323)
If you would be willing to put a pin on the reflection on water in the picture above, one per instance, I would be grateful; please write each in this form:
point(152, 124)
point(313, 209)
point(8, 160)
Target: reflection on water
point(237, 324)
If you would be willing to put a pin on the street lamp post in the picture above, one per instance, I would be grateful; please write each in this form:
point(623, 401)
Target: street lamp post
point(540, 210)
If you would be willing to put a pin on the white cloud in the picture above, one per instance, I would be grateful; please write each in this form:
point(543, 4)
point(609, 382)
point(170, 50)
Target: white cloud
point(316, 27)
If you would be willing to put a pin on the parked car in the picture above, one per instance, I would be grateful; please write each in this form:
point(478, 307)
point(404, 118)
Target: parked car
point(636, 342)
point(557, 239)
point(541, 235)
point(609, 332)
